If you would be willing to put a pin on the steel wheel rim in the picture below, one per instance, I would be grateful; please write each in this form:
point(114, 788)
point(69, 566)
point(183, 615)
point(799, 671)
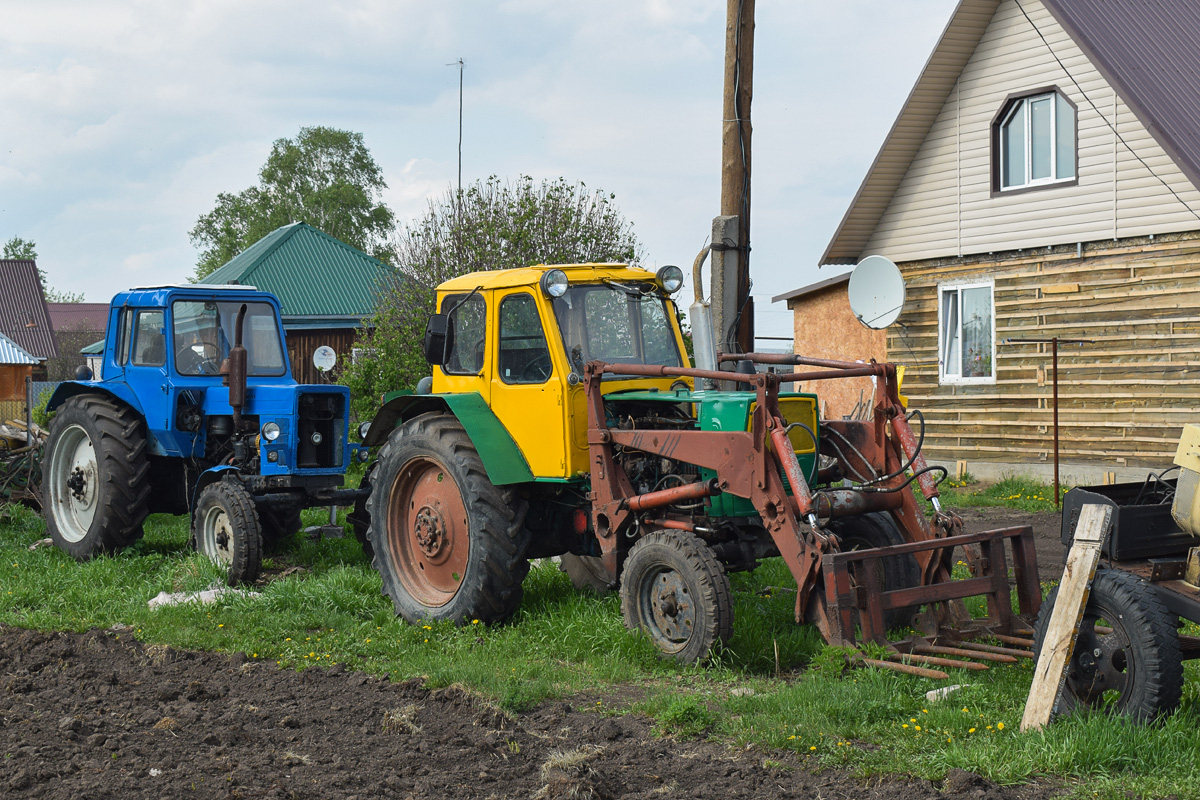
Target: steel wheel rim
point(667, 609)
point(428, 532)
point(74, 483)
point(1104, 667)
point(216, 535)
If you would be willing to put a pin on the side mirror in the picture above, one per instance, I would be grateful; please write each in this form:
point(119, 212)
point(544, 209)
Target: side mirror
point(439, 337)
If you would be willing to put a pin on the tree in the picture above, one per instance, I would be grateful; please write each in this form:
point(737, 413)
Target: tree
point(492, 225)
point(324, 177)
point(26, 250)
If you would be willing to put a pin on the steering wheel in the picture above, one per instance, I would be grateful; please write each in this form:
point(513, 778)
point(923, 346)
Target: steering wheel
point(538, 369)
point(207, 362)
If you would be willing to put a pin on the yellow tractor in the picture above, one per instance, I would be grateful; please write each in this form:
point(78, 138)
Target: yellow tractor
point(563, 419)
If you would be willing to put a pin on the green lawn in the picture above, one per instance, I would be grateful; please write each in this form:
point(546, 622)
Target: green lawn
point(562, 643)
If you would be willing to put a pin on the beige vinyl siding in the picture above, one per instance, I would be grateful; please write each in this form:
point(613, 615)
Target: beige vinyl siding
point(944, 204)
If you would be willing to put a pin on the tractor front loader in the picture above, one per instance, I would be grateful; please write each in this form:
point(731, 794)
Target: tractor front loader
point(563, 419)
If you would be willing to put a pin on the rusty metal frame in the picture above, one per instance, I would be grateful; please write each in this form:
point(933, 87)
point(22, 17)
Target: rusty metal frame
point(844, 595)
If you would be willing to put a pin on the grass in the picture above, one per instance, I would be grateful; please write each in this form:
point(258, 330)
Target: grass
point(1012, 492)
point(565, 644)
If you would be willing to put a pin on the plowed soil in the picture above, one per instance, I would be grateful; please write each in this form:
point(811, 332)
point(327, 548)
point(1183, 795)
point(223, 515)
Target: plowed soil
point(100, 715)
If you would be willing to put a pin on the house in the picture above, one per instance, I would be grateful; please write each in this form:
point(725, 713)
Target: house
point(15, 366)
point(1042, 181)
point(23, 316)
point(75, 326)
point(825, 327)
point(327, 289)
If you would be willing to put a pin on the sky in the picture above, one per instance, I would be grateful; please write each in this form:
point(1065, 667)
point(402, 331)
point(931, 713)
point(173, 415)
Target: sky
point(123, 119)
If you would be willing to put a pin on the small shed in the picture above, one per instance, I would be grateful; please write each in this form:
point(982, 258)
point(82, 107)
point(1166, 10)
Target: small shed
point(15, 366)
point(24, 319)
point(327, 289)
point(825, 327)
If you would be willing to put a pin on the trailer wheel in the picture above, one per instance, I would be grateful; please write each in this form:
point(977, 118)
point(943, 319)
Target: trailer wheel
point(225, 528)
point(587, 573)
point(1137, 669)
point(676, 590)
point(95, 472)
point(877, 529)
point(448, 543)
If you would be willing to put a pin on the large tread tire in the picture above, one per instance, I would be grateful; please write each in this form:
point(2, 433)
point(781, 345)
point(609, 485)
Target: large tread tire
point(360, 517)
point(225, 527)
point(675, 589)
point(448, 544)
point(96, 477)
point(878, 529)
point(1139, 672)
point(587, 573)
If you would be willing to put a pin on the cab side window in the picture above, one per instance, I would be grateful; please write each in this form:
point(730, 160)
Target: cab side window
point(468, 321)
point(524, 356)
point(149, 340)
point(123, 334)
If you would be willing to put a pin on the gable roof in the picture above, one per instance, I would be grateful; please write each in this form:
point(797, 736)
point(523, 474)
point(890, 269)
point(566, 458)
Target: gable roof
point(318, 279)
point(78, 316)
point(11, 353)
point(1148, 50)
point(23, 316)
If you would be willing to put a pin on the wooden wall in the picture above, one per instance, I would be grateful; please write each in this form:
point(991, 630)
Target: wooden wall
point(1123, 399)
point(824, 327)
point(302, 343)
point(12, 390)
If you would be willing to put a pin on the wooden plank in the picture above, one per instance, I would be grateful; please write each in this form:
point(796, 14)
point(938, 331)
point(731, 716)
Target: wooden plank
point(1050, 672)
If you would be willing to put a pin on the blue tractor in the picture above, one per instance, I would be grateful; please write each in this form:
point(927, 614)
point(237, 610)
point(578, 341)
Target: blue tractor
point(194, 411)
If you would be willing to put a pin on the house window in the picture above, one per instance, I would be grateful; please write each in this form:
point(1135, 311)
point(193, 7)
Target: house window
point(1036, 141)
point(966, 334)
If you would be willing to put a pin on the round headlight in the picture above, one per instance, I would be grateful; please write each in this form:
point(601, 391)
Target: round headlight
point(270, 431)
point(317, 438)
point(363, 429)
point(554, 283)
point(670, 278)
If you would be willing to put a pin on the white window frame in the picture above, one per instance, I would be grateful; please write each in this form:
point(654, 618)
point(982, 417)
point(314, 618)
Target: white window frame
point(1025, 103)
point(955, 377)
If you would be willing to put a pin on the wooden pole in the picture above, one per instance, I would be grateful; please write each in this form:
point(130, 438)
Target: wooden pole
point(735, 155)
point(1054, 362)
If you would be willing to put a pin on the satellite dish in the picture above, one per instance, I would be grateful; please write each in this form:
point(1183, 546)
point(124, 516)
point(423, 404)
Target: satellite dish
point(324, 358)
point(876, 292)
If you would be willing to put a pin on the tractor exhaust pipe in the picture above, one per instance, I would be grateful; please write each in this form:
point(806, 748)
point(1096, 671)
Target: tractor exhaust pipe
point(234, 371)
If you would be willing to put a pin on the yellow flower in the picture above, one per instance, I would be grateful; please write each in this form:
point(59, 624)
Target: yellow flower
point(971, 731)
point(814, 747)
point(790, 738)
point(368, 641)
point(965, 710)
point(288, 639)
point(222, 625)
point(474, 622)
point(905, 725)
point(999, 726)
point(918, 727)
point(912, 719)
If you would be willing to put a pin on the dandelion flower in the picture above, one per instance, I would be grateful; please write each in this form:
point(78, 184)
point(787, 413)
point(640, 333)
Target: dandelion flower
point(999, 726)
point(971, 731)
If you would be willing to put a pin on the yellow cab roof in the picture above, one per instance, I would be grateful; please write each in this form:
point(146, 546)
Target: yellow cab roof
point(529, 276)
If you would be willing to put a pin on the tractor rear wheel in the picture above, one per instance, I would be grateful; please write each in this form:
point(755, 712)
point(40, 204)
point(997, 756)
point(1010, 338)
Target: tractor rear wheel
point(448, 543)
point(1136, 669)
point(676, 590)
point(877, 529)
point(95, 472)
point(225, 528)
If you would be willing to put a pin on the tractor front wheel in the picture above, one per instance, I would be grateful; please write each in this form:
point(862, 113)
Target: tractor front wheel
point(448, 543)
point(95, 472)
point(225, 528)
point(877, 529)
point(674, 589)
point(1127, 658)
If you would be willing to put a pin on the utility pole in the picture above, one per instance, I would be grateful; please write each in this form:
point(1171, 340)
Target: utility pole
point(460, 66)
point(735, 169)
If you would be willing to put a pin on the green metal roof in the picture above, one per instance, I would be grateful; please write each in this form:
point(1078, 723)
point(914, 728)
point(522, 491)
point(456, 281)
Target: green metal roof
point(93, 349)
point(312, 274)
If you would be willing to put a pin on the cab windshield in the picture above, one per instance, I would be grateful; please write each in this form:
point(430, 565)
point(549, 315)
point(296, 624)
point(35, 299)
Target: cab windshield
point(204, 332)
point(616, 323)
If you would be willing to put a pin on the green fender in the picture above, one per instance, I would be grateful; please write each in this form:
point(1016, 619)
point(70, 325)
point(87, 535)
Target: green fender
point(500, 455)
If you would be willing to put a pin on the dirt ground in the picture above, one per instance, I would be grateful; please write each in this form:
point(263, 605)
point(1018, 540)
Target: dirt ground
point(1046, 533)
point(100, 715)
